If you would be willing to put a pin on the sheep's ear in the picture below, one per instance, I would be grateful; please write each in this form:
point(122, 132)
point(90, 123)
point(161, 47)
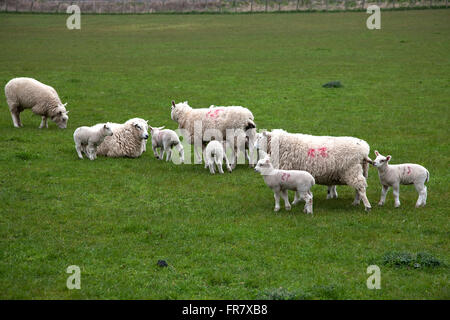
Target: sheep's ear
point(160, 128)
point(388, 158)
point(64, 105)
point(146, 121)
point(377, 153)
point(173, 104)
point(105, 126)
point(67, 111)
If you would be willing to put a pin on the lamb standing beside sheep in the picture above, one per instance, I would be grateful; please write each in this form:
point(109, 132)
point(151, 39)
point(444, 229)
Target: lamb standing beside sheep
point(280, 181)
point(87, 139)
point(214, 153)
point(218, 120)
point(165, 139)
point(331, 160)
point(28, 93)
point(126, 140)
point(397, 174)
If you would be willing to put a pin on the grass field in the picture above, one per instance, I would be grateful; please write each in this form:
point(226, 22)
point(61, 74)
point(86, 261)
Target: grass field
point(115, 218)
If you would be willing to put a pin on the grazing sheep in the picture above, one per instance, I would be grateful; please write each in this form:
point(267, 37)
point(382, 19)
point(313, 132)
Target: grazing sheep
point(218, 122)
point(126, 140)
point(28, 93)
point(165, 139)
point(214, 153)
point(87, 139)
point(280, 181)
point(397, 174)
point(331, 160)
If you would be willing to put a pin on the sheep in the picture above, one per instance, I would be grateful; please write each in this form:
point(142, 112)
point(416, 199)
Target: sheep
point(331, 160)
point(126, 140)
point(165, 139)
point(87, 139)
point(143, 123)
point(397, 174)
point(28, 93)
point(214, 153)
point(222, 123)
point(280, 181)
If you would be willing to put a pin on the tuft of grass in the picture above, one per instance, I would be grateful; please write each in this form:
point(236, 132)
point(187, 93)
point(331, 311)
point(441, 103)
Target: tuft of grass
point(406, 259)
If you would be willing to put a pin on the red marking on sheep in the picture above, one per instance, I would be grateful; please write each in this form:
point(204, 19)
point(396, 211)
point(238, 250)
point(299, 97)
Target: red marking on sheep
point(285, 176)
point(409, 170)
point(323, 152)
point(312, 153)
point(320, 152)
point(214, 113)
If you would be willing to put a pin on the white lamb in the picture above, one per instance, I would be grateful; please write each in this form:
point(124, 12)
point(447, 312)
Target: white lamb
point(214, 153)
point(330, 160)
point(126, 140)
point(87, 139)
point(165, 139)
point(397, 174)
point(218, 120)
point(28, 93)
point(280, 181)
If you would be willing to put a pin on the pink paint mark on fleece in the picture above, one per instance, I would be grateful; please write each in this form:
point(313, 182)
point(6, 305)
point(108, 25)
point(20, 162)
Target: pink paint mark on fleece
point(323, 152)
point(214, 113)
point(312, 153)
point(409, 170)
point(285, 176)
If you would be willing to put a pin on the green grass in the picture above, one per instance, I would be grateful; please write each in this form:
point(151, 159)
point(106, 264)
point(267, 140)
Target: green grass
point(115, 218)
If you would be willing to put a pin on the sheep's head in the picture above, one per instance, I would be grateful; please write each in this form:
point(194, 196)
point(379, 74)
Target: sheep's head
point(140, 130)
point(60, 117)
point(261, 140)
point(264, 166)
point(380, 160)
point(177, 109)
point(107, 129)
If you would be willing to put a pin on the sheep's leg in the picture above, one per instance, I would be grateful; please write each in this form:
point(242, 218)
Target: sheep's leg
point(227, 163)
point(169, 154)
point(219, 165)
point(396, 191)
point(233, 158)
point(354, 178)
point(43, 122)
point(296, 198)
point(78, 148)
point(205, 158)
point(144, 145)
point(384, 191)
point(180, 150)
point(155, 152)
point(91, 152)
point(422, 191)
point(211, 167)
point(357, 199)
point(308, 198)
point(285, 196)
point(161, 153)
point(332, 193)
point(276, 195)
point(15, 114)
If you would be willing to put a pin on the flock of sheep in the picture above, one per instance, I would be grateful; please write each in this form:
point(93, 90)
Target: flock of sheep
point(287, 161)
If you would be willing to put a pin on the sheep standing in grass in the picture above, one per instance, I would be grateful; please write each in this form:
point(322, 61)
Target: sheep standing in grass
point(331, 160)
point(28, 93)
point(214, 153)
point(165, 139)
point(87, 139)
point(397, 174)
point(126, 140)
point(216, 122)
point(280, 181)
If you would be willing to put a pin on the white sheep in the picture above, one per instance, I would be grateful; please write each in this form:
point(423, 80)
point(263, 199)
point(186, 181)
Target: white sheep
point(214, 153)
point(126, 140)
point(87, 139)
point(143, 123)
point(28, 93)
point(331, 160)
point(397, 174)
point(203, 124)
point(280, 181)
point(165, 139)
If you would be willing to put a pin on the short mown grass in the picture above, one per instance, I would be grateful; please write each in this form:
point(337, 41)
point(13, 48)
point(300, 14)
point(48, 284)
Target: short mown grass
point(115, 218)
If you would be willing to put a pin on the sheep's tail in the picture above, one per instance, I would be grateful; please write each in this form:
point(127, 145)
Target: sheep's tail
point(365, 164)
point(428, 177)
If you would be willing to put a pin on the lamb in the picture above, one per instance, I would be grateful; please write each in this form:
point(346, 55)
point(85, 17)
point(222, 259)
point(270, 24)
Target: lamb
point(397, 174)
point(330, 160)
point(28, 93)
point(202, 124)
point(126, 140)
point(214, 153)
point(165, 139)
point(280, 181)
point(87, 139)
